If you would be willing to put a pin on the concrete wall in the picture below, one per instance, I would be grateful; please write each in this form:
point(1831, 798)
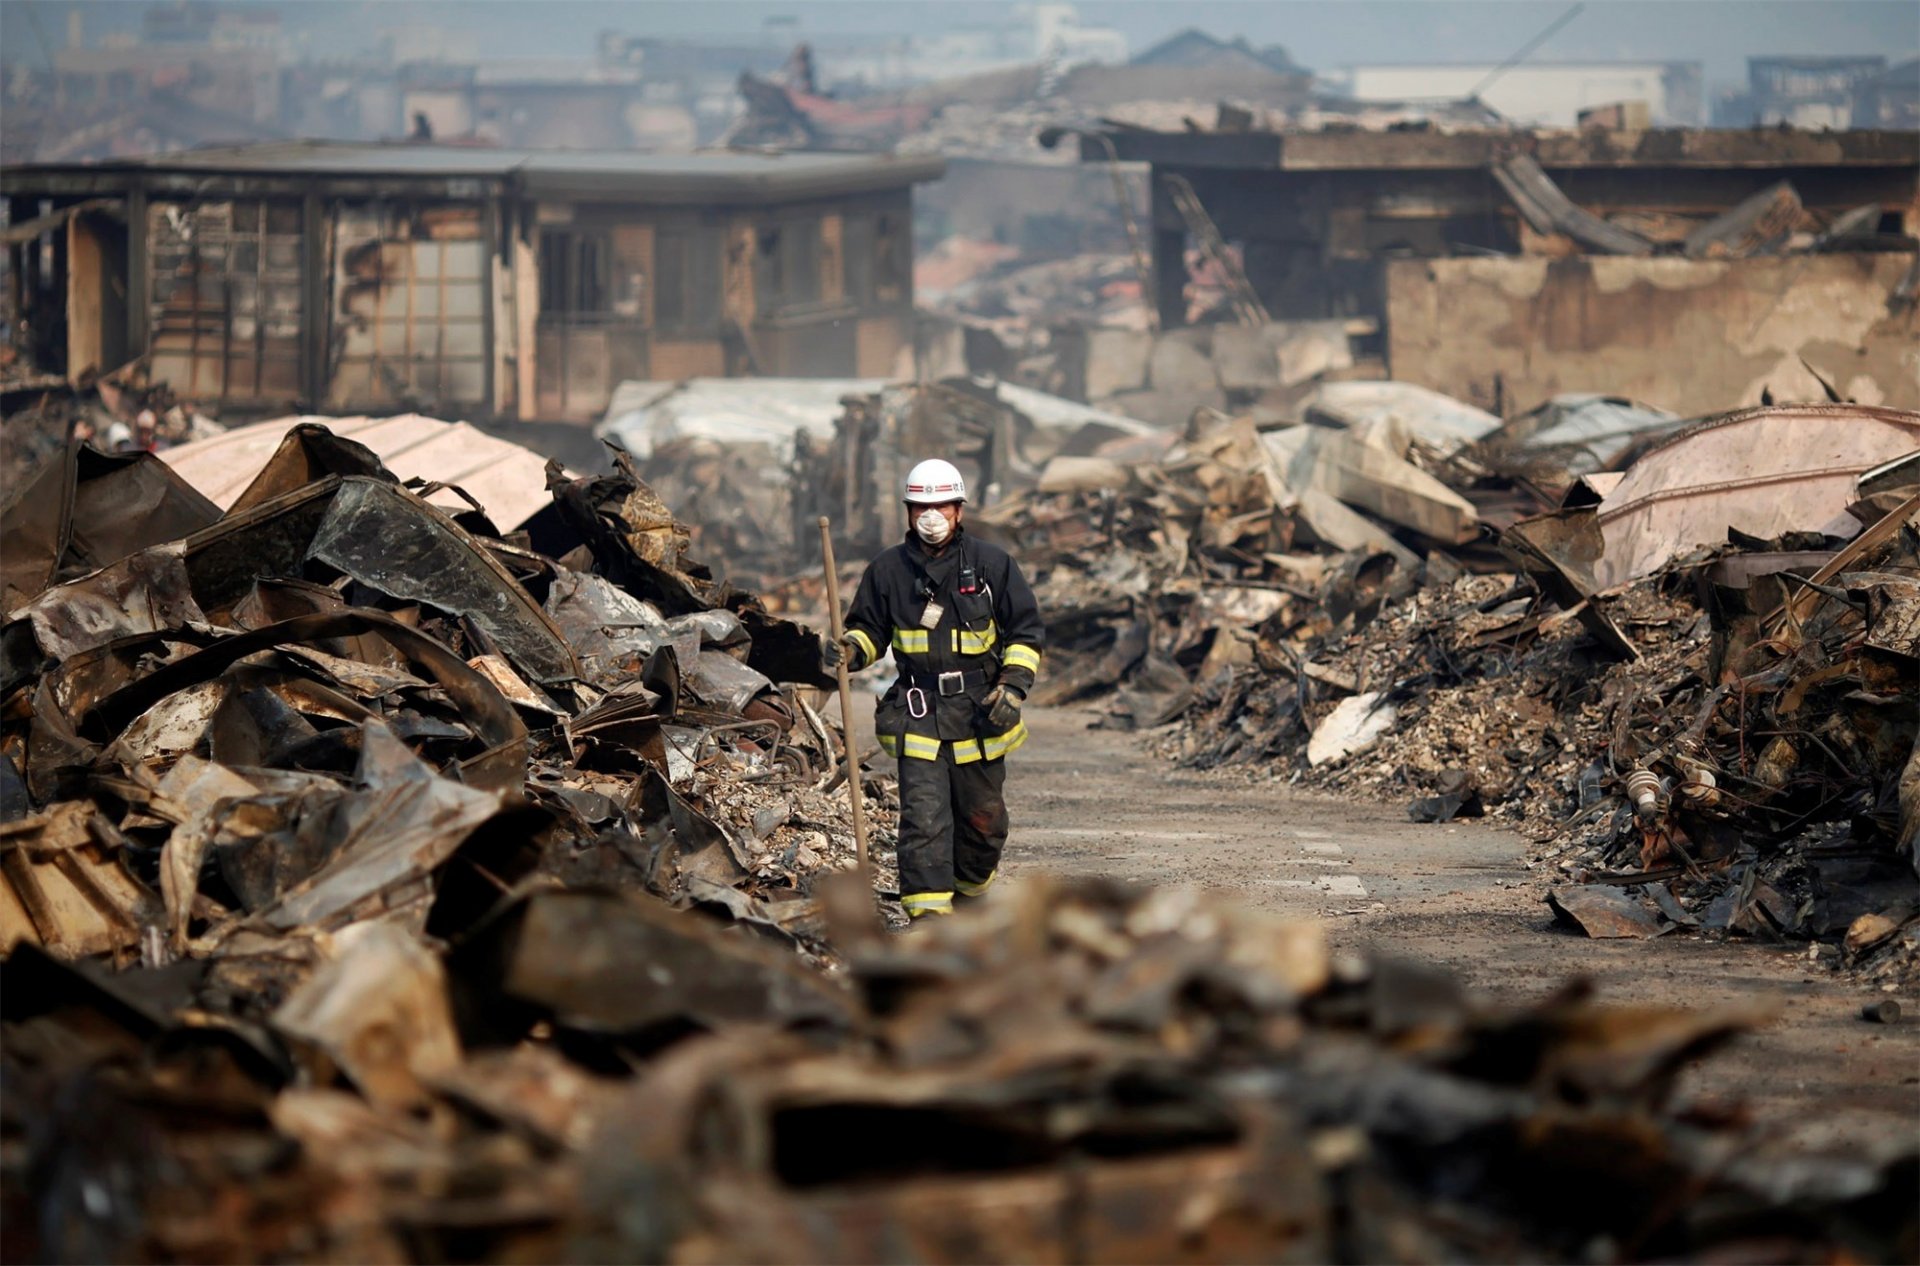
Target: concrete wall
point(1689, 336)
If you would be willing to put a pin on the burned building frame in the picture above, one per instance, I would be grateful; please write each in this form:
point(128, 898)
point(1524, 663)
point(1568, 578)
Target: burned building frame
point(1319, 214)
point(488, 282)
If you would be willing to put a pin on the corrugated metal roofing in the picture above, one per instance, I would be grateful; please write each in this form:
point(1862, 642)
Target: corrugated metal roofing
point(508, 480)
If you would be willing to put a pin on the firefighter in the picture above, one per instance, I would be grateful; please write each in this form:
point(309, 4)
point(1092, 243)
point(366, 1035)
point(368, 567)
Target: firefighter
point(965, 632)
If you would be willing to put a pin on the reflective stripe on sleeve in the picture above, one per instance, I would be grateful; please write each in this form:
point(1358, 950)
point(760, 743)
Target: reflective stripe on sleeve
point(1000, 744)
point(866, 646)
point(1019, 655)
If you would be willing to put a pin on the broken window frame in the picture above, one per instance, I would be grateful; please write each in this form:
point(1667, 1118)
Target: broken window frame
point(688, 278)
point(228, 298)
point(411, 356)
point(892, 257)
point(576, 274)
point(786, 265)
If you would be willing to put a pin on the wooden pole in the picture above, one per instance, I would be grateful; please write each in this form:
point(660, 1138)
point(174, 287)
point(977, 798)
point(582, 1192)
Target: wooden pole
point(854, 795)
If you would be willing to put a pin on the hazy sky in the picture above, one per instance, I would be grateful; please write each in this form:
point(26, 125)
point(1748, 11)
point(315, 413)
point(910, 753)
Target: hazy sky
point(1321, 34)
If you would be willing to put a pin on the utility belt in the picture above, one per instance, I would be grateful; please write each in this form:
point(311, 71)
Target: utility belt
point(944, 685)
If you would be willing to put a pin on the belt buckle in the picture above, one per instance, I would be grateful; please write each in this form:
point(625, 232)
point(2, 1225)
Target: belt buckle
point(959, 681)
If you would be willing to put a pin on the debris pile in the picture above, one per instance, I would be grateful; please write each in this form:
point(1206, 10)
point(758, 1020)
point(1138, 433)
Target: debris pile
point(337, 699)
point(1714, 734)
point(1075, 1070)
point(1162, 559)
point(378, 885)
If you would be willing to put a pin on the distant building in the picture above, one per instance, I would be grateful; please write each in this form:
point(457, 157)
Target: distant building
point(486, 282)
point(1805, 92)
point(1891, 99)
point(1538, 94)
point(242, 82)
point(202, 24)
point(1039, 32)
point(1196, 49)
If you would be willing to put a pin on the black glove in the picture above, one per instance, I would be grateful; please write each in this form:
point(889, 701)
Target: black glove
point(1003, 707)
point(834, 650)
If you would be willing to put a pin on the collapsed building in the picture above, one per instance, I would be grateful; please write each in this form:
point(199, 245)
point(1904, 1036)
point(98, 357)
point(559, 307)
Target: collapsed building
point(489, 282)
point(1505, 267)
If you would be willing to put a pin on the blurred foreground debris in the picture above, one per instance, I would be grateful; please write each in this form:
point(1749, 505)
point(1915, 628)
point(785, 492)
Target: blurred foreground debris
point(1076, 1071)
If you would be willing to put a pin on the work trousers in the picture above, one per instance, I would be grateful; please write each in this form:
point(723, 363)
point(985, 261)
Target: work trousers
point(953, 825)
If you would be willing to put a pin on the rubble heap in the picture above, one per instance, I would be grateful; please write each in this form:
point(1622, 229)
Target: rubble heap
point(338, 699)
point(377, 886)
point(1076, 1070)
point(1711, 744)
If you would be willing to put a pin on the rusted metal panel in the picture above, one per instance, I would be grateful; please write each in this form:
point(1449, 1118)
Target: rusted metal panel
point(1761, 471)
point(227, 299)
point(409, 314)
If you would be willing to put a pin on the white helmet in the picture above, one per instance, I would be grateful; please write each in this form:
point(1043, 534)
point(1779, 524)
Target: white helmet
point(934, 482)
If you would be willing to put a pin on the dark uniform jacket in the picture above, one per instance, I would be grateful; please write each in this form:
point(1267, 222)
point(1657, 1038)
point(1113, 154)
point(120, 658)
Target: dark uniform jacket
point(990, 635)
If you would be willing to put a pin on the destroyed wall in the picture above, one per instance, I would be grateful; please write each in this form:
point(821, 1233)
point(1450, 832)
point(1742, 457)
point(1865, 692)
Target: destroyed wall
point(1691, 336)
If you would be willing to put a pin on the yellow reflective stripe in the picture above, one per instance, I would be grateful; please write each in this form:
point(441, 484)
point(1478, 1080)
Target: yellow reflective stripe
point(966, 889)
point(966, 751)
point(890, 744)
point(968, 642)
point(866, 645)
point(919, 903)
point(910, 641)
point(920, 747)
point(1021, 656)
point(1000, 744)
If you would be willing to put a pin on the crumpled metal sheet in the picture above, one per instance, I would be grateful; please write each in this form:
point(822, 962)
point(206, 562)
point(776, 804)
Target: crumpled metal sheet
point(1762, 471)
point(397, 543)
point(90, 509)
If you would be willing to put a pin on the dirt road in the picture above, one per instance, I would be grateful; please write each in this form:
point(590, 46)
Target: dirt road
point(1095, 802)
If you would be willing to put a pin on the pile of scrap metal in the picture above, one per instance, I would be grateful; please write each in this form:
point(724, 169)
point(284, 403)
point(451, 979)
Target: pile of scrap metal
point(229, 734)
point(1072, 1072)
point(1696, 685)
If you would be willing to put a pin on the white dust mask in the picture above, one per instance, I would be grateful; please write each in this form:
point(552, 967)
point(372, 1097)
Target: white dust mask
point(933, 527)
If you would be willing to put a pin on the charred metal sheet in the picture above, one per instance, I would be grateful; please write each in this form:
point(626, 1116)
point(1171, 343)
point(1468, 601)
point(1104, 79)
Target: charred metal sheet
point(571, 954)
point(385, 537)
point(91, 509)
point(1603, 911)
point(1764, 471)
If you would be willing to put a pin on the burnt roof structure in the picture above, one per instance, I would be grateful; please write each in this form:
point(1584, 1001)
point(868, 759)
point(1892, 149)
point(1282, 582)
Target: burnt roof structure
point(726, 177)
